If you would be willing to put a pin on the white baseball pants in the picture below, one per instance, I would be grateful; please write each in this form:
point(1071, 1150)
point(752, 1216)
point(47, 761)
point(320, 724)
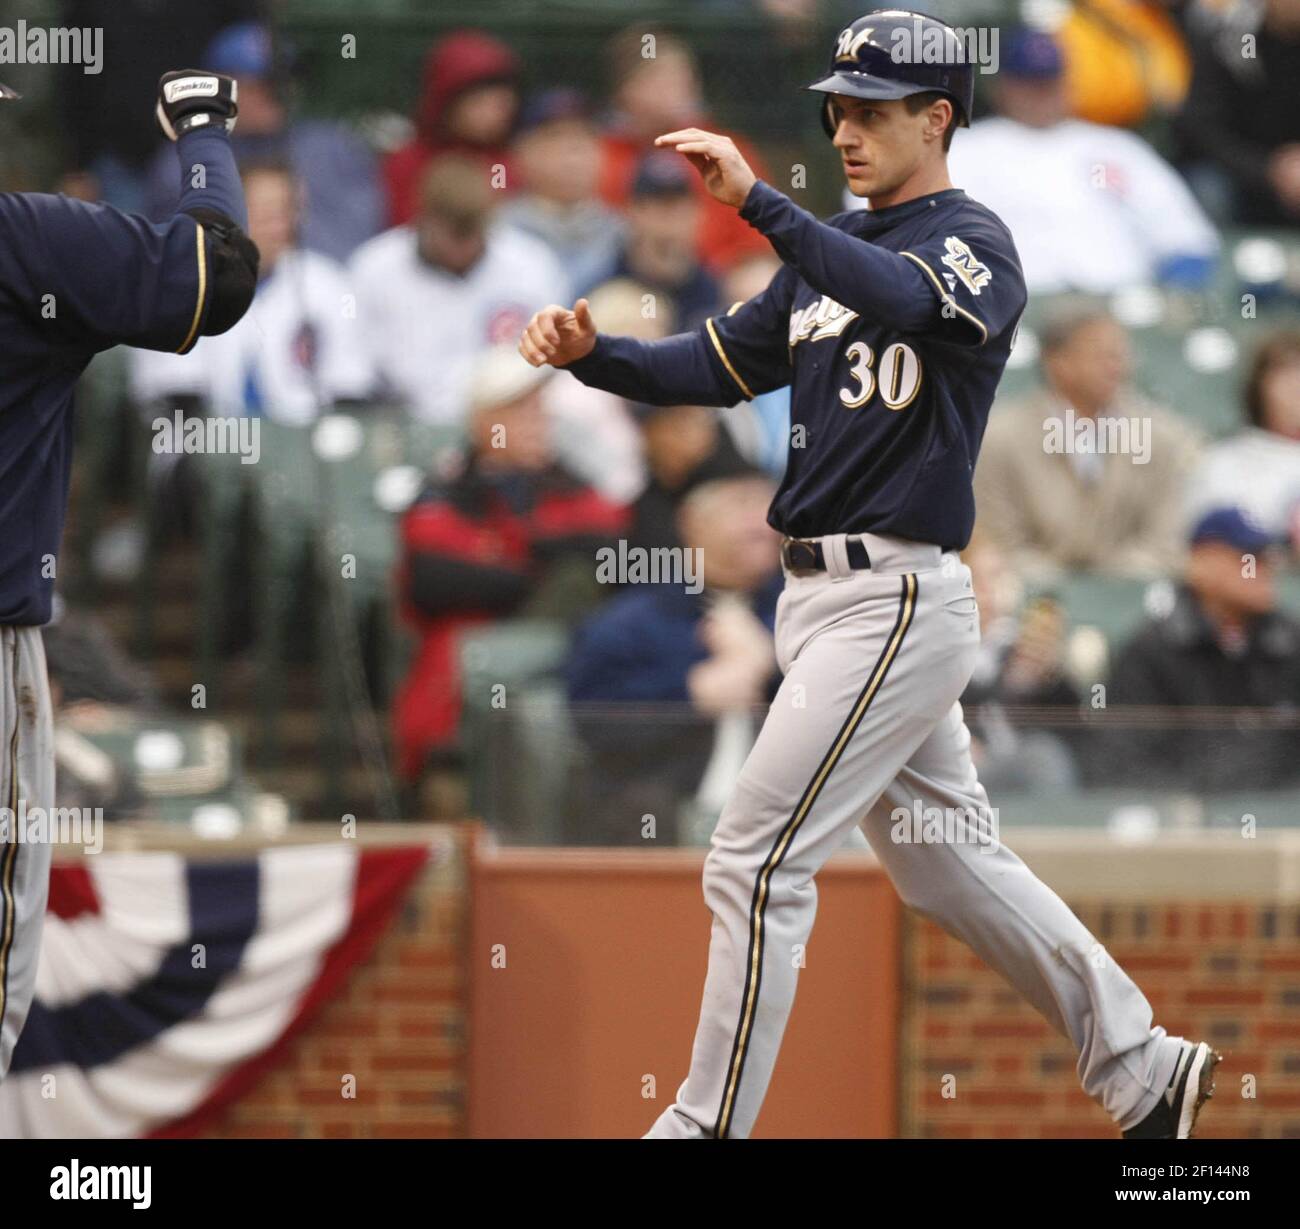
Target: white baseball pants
point(866, 729)
point(26, 776)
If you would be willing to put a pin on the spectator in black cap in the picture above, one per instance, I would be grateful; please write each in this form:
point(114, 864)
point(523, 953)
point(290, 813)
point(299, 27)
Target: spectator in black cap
point(659, 248)
point(1220, 644)
point(684, 445)
point(557, 159)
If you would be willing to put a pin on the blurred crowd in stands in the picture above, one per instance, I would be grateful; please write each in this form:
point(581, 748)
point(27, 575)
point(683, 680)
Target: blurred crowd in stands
point(403, 275)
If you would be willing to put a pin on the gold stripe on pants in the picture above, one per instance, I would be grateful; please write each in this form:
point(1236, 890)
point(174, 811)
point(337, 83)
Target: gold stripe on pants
point(907, 604)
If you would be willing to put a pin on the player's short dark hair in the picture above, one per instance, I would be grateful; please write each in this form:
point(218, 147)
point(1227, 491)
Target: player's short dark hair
point(916, 103)
point(1278, 350)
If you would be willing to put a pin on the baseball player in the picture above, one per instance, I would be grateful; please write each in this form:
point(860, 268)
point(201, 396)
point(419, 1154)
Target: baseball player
point(892, 326)
point(77, 278)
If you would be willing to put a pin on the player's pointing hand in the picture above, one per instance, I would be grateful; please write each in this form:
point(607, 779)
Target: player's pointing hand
point(725, 172)
point(559, 336)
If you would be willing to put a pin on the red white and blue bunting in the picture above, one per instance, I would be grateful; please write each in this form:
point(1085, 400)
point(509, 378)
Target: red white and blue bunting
point(167, 985)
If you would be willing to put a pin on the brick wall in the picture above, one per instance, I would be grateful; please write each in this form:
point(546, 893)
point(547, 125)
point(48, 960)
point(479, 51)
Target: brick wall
point(398, 1027)
point(1223, 966)
point(1224, 973)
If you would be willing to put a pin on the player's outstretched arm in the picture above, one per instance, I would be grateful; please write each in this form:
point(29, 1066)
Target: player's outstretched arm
point(677, 370)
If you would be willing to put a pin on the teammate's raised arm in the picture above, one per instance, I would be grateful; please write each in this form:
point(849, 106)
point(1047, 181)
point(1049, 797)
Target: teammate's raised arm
point(198, 111)
point(115, 278)
point(77, 278)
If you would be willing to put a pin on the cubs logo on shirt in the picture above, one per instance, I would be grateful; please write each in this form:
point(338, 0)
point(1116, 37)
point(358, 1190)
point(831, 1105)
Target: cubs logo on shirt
point(506, 322)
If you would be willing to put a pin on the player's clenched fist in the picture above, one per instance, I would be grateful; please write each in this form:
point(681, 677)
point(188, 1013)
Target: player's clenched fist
point(559, 336)
point(190, 98)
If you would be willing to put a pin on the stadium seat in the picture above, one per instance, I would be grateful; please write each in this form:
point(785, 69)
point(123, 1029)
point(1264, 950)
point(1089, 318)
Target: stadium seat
point(515, 725)
point(186, 770)
point(1136, 814)
point(1111, 605)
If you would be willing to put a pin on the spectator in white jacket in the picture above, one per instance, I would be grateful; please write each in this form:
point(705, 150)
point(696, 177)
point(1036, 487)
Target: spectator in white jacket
point(297, 351)
point(1258, 469)
point(435, 294)
point(1091, 208)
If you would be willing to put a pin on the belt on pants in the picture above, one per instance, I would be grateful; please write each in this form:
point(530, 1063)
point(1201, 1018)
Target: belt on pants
point(802, 555)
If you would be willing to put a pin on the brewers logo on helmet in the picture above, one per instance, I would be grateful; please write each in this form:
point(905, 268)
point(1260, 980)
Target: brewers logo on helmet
point(894, 53)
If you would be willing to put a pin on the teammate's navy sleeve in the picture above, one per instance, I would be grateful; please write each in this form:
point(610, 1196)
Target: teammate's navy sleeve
point(900, 289)
point(209, 176)
point(739, 355)
point(89, 276)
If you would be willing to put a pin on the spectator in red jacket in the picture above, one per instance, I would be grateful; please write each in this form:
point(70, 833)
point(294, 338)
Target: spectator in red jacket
point(656, 90)
point(468, 106)
point(512, 533)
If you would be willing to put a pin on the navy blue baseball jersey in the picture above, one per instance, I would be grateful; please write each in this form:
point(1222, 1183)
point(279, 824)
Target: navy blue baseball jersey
point(77, 278)
point(892, 327)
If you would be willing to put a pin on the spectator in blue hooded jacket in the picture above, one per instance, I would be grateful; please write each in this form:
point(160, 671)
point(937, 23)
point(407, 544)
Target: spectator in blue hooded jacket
point(657, 676)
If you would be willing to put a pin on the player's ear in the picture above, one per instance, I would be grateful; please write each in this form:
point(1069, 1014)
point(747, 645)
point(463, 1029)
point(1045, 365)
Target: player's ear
point(940, 115)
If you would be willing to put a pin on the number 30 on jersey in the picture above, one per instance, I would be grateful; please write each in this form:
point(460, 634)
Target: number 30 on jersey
point(899, 375)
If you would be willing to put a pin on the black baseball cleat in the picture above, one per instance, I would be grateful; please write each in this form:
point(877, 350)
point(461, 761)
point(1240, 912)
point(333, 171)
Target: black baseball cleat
point(1190, 1087)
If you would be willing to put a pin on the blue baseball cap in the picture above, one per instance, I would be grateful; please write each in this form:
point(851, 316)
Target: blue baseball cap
point(241, 50)
point(1033, 55)
point(1236, 528)
point(552, 105)
point(663, 173)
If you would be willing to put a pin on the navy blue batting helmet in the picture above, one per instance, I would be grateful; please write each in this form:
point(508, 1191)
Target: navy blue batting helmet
point(894, 53)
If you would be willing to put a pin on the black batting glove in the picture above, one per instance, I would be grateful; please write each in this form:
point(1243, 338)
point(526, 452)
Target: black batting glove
point(189, 98)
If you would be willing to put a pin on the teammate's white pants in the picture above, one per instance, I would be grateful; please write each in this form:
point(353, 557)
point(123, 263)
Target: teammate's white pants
point(26, 775)
point(867, 721)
